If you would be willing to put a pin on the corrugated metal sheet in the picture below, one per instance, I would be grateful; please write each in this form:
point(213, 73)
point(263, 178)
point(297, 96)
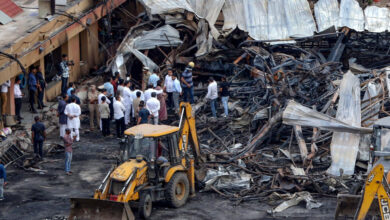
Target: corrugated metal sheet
point(165, 36)
point(327, 14)
point(4, 18)
point(377, 19)
point(278, 19)
point(351, 15)
point(299, 19)
point(166, 6)
point(277, 25)
point(344, 146)
point(256, 19)
point(208, 9)
point(234, 15)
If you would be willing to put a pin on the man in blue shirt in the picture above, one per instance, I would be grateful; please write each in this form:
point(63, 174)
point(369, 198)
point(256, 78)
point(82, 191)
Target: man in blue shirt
point(3, 180)
point(153, 79)
point(143, 114)
point(110, 95)
point(69, 90)
point(187, 84)
point(32, 88)
point(73, 95)
point(41, 88)
point(38, 136)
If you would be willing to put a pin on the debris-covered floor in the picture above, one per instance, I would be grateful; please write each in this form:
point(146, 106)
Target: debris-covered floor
point(45, 193)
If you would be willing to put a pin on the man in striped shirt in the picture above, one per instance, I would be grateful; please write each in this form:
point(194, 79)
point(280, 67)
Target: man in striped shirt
point(187, 84)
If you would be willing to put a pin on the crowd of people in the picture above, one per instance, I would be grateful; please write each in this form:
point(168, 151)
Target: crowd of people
point(119, 101)
point(127, 104)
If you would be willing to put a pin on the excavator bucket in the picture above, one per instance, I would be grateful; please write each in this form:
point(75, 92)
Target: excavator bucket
point(95, 209)
point(347, 206)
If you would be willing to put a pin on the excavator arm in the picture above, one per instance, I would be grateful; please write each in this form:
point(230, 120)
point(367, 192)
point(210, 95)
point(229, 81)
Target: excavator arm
point(188, 131)
point(374, 187)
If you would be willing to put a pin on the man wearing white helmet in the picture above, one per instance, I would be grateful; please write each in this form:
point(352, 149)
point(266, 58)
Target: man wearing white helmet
point(187, 84)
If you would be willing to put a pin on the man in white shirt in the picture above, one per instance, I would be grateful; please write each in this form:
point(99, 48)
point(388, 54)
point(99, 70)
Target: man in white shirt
point(127, 101)
point(73, 111)
point(176, 93)
point(119, 116)
point(212, 95)
point(18, 95)
point(153, 105)
point(149, 91)
point(121, 85)
point(4, 91)
point(103, 94)
point(168, 87)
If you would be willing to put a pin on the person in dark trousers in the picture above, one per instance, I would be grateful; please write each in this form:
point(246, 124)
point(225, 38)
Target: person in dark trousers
point(105, 116)
point(224, 89)
point(64, 72)
point(41, 88)
point(62, 118)
point(168, 87)
point(187, 83)
point(3, 179)
point(143, 114)
point(119, 116)
point(68, 142)
point(38, 136)
point(18, 95)
point(32, 88)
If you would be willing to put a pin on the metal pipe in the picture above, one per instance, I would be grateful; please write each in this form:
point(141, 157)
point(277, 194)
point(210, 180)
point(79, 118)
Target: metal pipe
point(127, 182)
point(105, 179)
point(181, 117)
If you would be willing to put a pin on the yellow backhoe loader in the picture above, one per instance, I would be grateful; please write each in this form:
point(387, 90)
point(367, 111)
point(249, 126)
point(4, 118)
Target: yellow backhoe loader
point(374, 189)
point(159, 163)
point(376, 185)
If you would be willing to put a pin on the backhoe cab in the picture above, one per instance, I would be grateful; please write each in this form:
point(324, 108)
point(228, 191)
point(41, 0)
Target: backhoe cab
point(157, 165)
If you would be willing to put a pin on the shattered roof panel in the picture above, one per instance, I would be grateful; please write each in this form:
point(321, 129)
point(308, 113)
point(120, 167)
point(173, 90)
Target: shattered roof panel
point(165, 36)
point(351, 15)
point(210, 11)
point(327, 14)
point(299, 19)
point(278, 19)
point(166, 6)
point(377, 19)
point(234, 15)
point(256, 19)
point(277, 25)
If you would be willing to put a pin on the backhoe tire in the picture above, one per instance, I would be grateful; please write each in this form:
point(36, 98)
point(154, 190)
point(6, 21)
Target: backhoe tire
point(178, 190)
point(145, 206)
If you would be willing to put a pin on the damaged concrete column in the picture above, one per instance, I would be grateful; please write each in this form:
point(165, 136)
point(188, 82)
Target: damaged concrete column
point(89, 46)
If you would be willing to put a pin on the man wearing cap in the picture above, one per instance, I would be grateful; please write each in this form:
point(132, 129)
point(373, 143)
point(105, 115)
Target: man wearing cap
point(187, 84)
point(145, 77)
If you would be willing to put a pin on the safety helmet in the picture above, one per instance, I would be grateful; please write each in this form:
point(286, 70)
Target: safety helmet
point(191, 64)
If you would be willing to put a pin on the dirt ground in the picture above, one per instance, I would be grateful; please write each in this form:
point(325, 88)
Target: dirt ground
point(35, 195)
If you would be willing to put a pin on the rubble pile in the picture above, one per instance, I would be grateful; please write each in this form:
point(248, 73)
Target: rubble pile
point(301, 108)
